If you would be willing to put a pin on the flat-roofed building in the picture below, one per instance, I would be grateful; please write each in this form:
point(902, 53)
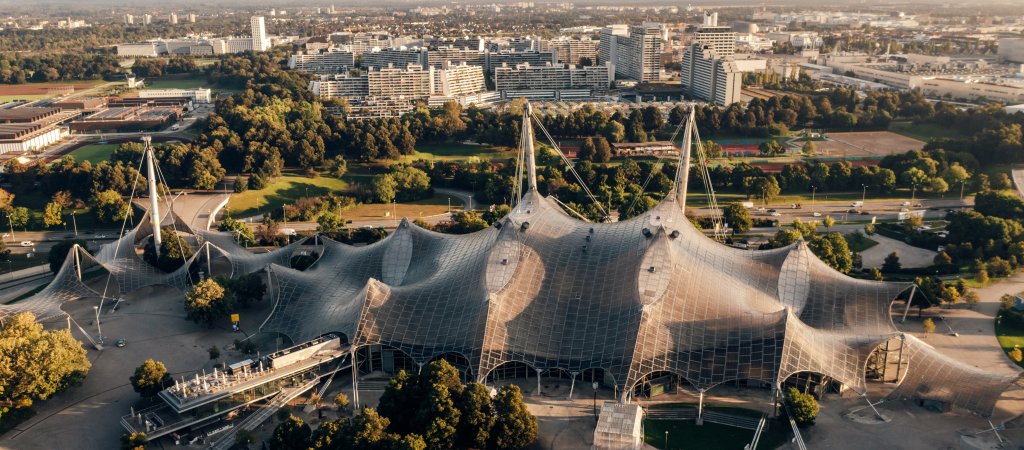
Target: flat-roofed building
point(635, 51)
point(137, 49)
point(329, 61)
point(436, 57)
point(552, 81)
point(27, 129)
point(513, 58)
point(197, 95)
point(397, 57)
point(721, 39)
point(570, 50)
point(707, 76)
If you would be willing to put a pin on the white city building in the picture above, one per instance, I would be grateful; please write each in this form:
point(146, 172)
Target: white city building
point(553, 81)
point(707, 76)
point(197, 95)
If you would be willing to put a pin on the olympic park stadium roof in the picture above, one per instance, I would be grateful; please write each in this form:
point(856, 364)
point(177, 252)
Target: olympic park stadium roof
point(644, 295)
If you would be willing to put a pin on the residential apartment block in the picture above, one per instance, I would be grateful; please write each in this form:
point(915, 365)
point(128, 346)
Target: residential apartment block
point(708, 76)
point(553, 81)
point(634, 51)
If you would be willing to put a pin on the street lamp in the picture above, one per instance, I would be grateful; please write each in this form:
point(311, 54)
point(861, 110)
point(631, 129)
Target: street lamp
point(99, 331)
point(863, 196)
point(666, 439)
point(595, 385)
point(814, 190)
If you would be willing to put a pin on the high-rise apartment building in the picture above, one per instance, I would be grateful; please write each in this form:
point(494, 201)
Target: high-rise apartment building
point(568, 50)
point(129, 19)
point(708, 76)
point(260, 41)
point(397, 57)
point(172, 19)
point(722, 39)
point(332, 60)
point(192, 18)
point(147, 19)
point(552, 81)
point(634, 51)
point(414, 82)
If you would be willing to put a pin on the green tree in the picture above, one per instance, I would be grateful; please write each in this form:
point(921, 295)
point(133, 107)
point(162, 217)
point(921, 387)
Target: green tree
point(738, 217)
point(770, 148)
point(174, 250)
point(134, 441)
point(614, 132)
point(150, 378)
point(59, 252)
point(809, 148)
point(17, 217)
point(246, 289)
point(833, 249)
point(6, 199)
point(243, 234)
point(463, 222)
point(36, 363)
point(291, 434)
point(341, 401)
point(477, 418)
point(928, 325)
point(110, 206)
point(206, 302)
point(972, 298)
point(828, 222)
point(384, 188)
point(587, 150)
point(764, 186)
point(53, 215)
point(803, 406)
point(1016, 355)
point(891, 263)
point(602, 151)
point(514, 426)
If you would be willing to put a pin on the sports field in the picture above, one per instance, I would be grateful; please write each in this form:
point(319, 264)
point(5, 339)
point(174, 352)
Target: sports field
point(867, 143)
point(94, 152)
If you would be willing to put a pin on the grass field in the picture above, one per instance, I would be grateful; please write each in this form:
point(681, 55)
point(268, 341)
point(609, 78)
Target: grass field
point(858, 242)
point(32, 97)
point(94, 152)
point(458, 152)
point(282, 190)
point(924, 132)
point(1009, 336)
point(176, 83)
point(437, 204)
point(685, 434)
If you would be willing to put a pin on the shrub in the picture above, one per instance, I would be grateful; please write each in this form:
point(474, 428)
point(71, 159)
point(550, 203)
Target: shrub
point(803, 407)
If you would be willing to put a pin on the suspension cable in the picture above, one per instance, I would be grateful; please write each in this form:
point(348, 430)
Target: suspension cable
point(569, 165)
point(650, 176)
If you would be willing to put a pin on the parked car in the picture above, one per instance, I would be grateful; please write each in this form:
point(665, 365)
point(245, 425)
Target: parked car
point(27, 243)
point(776, 214)
point(817, 214)
point(120, 342)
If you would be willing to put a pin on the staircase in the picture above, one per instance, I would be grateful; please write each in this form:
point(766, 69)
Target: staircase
point(250, 423)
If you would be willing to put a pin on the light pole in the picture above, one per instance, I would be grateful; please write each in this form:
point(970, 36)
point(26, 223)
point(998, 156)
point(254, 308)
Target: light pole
point(863, 196)
point(99, 331)
point(74, 222)
point(666, 439)
point(814, 190)
point(962, 190)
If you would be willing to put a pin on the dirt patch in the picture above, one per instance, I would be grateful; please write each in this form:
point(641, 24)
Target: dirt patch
point(40, 89)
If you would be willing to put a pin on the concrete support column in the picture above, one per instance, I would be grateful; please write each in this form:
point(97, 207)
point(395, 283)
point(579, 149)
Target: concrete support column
point(355, 381)
point(538, 381)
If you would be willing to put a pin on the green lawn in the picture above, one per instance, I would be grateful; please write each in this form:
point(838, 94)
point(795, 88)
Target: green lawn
point(924, 132)
point(685, 434)
point(1009, 336)
point(94, 153)
point(176, 82)
point(435, 205)
point(459, 152)
point(858, 242)
point(283, 190)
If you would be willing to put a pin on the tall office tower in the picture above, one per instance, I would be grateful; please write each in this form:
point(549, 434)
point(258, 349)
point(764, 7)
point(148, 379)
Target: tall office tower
point(129, 19)
point(173, 19)
point(147, 19)
point(709, 76)
point(260, 42)
point(192, 18)
point(721, 38)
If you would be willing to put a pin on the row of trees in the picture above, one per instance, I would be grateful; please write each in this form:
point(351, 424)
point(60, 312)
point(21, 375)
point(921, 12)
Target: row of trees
point(18, 68)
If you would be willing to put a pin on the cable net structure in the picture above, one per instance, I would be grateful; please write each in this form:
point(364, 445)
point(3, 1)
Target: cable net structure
point(127, 272)
point(647, 295)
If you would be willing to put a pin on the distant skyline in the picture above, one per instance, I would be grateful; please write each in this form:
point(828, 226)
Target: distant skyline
point(412, 3)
